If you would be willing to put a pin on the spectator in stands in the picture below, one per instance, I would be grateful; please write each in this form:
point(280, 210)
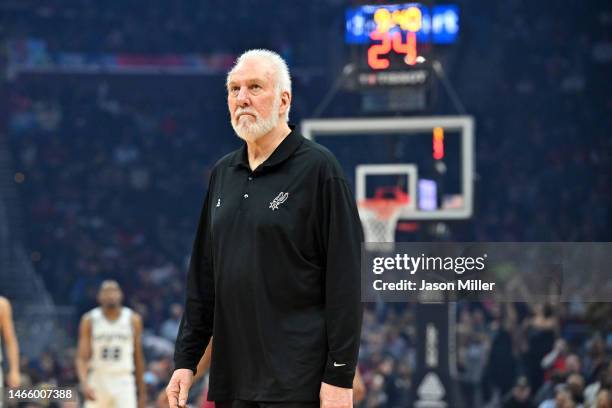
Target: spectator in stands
point(541, 331)
point(519, 396)
point(169, 329)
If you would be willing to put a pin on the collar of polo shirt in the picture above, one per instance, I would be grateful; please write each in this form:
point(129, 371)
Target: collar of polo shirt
point(279, 155)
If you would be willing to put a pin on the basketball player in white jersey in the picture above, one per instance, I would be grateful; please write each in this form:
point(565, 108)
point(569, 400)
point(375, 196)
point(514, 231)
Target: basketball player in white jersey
point(110, 362)
point(7, 334)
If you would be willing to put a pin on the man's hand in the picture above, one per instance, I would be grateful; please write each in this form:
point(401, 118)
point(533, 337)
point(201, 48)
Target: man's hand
point(178, 387)
point(14, 379)
point(335, 397)
point(88, 393)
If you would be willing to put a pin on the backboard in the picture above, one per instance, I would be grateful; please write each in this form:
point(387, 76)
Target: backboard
point(430, 159)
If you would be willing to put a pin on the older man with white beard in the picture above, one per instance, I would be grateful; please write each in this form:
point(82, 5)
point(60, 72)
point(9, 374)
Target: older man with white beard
point(274, 270)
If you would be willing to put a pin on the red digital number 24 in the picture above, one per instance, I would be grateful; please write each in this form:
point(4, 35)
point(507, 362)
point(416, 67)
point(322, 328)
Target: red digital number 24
point(388, 42)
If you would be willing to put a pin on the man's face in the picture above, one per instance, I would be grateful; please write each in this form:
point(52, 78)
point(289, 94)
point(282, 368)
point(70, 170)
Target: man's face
point(110, 296)
point(253, 99)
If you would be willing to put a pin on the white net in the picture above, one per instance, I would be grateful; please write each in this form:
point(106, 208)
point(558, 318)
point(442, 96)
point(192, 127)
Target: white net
point(379, 219)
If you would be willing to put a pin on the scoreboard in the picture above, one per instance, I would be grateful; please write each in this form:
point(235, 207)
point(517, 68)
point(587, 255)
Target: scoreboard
point(391, 46)
point(440, 24)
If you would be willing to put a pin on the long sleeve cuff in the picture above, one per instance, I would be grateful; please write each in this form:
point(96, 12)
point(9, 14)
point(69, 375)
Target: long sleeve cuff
point(184, 362)
point(338, 373)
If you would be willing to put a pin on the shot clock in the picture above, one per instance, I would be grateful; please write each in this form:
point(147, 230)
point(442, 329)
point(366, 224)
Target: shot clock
point(390, 36)
point(391, 46)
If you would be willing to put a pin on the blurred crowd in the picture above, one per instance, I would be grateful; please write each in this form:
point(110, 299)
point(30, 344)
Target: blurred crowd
point(111, 173)
point(540, 94)
point(175, 27)
point(509, 355)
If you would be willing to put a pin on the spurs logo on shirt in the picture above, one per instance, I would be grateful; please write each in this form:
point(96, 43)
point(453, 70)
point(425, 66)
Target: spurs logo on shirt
point(280, 198)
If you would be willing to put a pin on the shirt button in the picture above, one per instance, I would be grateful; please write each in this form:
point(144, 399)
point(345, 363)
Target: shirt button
point(246, 196)
point(250, 178)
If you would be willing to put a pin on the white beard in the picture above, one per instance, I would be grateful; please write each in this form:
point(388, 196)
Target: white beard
point(250, 130)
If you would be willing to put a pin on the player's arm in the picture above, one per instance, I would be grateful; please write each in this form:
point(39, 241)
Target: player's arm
point(359, 389)
point(204, 363)
point(10, 339)
point(139, 362)
point(83, 356)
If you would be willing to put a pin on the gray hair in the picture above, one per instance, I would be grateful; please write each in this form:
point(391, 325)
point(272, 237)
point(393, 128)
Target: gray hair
point(283, 78)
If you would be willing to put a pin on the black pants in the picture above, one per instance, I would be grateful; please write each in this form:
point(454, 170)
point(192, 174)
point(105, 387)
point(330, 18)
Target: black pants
point(251, 404)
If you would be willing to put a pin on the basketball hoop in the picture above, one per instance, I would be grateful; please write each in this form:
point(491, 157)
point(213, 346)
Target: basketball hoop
point(379, 217)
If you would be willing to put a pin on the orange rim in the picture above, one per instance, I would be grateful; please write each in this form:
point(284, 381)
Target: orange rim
point(384, 209)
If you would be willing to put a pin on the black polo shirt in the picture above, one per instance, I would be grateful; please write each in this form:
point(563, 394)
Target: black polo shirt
point(274, 275)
